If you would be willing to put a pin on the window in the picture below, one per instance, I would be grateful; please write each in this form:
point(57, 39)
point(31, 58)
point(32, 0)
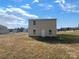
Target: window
point(34, 22)
point(50, 32)
point(34, 31)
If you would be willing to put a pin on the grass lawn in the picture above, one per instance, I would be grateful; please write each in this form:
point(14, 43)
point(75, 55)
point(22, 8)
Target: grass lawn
point(20, 46)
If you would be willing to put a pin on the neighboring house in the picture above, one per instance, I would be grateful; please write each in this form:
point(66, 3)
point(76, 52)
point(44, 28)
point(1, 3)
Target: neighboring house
point(14, 30)
point(25, 30)
point(42, 27)
point(3, 29)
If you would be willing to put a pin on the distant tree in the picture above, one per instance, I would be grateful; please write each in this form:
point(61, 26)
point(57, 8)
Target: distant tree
point(67, 28)
point(21, 29)
point(10, 30)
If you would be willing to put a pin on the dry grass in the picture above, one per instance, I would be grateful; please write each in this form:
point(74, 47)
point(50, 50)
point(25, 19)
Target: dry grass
point(20, 46)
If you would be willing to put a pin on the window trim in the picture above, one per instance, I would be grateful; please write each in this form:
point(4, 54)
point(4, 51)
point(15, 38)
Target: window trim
point(34, 31)
point(34, 22)
point(50, 32)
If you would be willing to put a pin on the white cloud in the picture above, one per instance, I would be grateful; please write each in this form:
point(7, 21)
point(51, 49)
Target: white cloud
point(35, 1)
point(60, 1)
point(14, 10)
point(27, 6)
point(10, 15)
point(67, 6)
point(49, 7)
point(45, 6)
point(41, 5)
point(2, 11)
point(7, 17)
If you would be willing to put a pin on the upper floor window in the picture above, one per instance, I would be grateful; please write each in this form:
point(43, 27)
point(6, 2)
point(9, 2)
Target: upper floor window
point(34, 22)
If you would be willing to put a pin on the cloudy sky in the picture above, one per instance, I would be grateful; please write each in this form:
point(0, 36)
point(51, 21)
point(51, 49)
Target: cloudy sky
point(15, 13)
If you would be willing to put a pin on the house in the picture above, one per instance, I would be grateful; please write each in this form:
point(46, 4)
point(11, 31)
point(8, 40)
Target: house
point(42, 27)
point(3, 29)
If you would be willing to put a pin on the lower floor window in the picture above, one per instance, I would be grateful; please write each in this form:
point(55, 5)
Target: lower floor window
point(34, 31)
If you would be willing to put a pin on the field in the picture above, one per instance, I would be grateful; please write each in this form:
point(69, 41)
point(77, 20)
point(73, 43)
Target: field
point(20, 46)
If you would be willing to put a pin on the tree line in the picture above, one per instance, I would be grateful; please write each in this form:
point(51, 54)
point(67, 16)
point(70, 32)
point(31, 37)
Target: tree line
point(68, 28)
point(18, 30)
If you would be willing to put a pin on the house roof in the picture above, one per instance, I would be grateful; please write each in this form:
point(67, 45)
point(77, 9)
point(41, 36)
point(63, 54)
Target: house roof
point(44, 19)
point(1, 26)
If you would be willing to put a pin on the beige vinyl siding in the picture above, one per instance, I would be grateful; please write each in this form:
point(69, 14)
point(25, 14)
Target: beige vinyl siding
point(42, 25)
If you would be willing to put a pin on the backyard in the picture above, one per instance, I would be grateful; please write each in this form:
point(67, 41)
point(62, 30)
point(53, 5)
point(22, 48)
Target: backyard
point(20, 46)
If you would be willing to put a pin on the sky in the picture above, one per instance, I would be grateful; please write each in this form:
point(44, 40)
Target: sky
point(16, 13)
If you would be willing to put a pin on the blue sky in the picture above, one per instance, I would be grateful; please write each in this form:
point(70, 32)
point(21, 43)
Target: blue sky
point(15, 13)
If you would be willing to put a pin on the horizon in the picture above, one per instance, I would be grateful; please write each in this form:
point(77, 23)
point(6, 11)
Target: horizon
point(16, 13)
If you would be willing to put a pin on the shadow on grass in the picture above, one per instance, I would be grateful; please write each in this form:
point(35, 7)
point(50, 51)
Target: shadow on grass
point(63, 39)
